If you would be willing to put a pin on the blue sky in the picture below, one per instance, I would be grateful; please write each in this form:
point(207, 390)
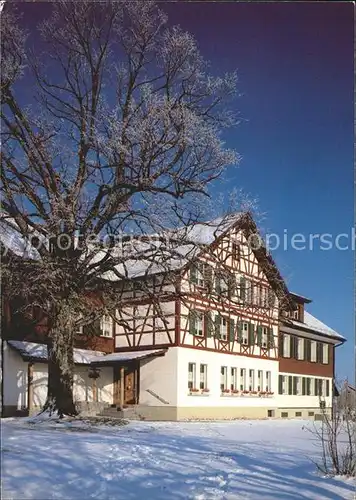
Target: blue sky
point(295, 66)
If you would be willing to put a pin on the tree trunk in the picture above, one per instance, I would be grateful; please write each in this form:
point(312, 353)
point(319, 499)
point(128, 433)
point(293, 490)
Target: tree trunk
point(60, 369)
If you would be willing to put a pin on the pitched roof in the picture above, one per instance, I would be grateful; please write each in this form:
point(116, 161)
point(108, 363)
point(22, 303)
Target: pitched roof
point(314, 324)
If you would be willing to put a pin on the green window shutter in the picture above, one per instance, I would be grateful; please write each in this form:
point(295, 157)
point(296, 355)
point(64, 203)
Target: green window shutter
point(239, 331)
point(280, 345)
point(251, 334)
point(290, 385)
point(280, 384)
point(231, 286)
point(218, 284)
point(306, 350)
point(294, 386)
point(259, 335)
point(327, 388)
point(232, 329)
point(295, 341)
point(217, 326)
point(243, 289)
point(270, 341)
point(303, 386)
point(291, 347)
point(191, 320)
point(208, 276)
point(316, 387)
point(193, 278)
point(208, 324)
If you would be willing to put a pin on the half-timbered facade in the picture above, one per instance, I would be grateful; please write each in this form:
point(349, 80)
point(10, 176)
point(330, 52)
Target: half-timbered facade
point(218, 336)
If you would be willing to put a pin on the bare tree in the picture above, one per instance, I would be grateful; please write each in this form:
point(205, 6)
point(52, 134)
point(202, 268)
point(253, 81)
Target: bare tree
point(123, 136)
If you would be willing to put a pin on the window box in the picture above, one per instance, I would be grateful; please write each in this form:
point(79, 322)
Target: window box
point(235, 392)
point(205, 391)
point(245, 392)
point(225, 392)
point(194, 390)
point(253, 393)
point(262, 394)
point(270, 393)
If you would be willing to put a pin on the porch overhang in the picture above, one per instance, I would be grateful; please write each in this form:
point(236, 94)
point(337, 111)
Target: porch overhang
point(122, 358)
point(37, 353)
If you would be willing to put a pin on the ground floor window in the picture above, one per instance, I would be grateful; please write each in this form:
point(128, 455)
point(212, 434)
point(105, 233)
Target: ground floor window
point(268, 382)
point(242, 379)
point(233, 385)
point(259, 380)
point(223, 378)
point(191, 375)
point(203, 376)
point(251, 380)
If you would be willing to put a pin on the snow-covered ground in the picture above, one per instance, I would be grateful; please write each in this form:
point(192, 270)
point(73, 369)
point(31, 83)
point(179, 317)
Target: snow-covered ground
point(206, 460)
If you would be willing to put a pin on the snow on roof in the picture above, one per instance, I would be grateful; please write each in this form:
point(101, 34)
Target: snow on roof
point(13, 240)
point(318, 326)
point(183, 244)
point(32, 350)
point(128, 356)
point(39, 351)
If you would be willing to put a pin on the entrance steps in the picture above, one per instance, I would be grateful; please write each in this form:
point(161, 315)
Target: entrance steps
point(115, 411)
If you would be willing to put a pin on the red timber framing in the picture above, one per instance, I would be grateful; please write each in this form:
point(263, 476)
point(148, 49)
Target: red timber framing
point(141, 328)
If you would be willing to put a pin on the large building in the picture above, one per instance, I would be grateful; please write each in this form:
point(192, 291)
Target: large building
point(218, 337)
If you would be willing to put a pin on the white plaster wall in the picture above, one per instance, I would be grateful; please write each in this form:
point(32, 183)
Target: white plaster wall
point(15, 379)
point(215, 361)
point(105, 385)
point(40, 380)
point(160, 375)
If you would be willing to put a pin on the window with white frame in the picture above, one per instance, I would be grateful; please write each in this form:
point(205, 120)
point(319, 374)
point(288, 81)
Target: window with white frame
point(242, 379)
point(196, 323)
point(233, 381)
point(325, 354)
point(251, 380)
point(313, 351)
point(264, 334)
point(300, 348)
point(106, 326)
point(298, 386)
point(259, 380)
point(223, 378)
point(286, 345)
point(268, 385)
point(191, 375)
point(244, 337)
point(203, 376)
point(221, 324)
point(284, 384)
point(312, 387)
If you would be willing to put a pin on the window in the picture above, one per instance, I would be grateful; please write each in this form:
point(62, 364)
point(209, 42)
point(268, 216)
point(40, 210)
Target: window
point(295, 314)
point(319, 352)
point(242, 379)
point(307, 349)
point(201, 274)
point(264, 340)
point(270, 413)
point(106, 326)
point(221, 325)
point(284, 414)
point(236, 254)
point(298, 386)
point(326, 354)
point(268, 382)
point(310, 414)
point(191, 375)
point(251, 380)
point(203, 377)
point(259, 380)
point(233, 385)
point(244, 338)
point(313, 351)
point(196, 323)
point(223, 378)
point(298, 413)
point(300, 348)
point(286, 345)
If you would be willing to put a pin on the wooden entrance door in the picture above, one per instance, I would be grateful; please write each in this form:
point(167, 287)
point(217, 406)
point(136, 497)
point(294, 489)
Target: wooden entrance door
point(129, 385)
